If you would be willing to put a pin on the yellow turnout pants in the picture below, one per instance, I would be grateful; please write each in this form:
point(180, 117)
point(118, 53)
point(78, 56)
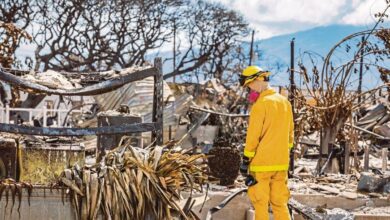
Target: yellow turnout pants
point(271, 188)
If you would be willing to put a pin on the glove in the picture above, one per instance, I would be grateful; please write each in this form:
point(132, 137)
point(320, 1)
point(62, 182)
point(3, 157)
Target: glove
point(244, 166)
point(250, 181)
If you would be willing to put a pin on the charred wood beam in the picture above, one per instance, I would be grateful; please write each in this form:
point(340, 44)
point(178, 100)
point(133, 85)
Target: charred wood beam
point(95, 89)
point(106, 130)
point(368, 132)
point(158, 102)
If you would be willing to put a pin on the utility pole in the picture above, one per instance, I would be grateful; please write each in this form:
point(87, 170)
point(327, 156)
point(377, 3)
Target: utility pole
point(174, 65)
point(174, 49)
point(292, 80)
point(361, 70)
point(291, 97)
point(251, 49)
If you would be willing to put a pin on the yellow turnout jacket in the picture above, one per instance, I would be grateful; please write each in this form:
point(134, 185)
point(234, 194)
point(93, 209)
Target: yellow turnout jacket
point(270, 133)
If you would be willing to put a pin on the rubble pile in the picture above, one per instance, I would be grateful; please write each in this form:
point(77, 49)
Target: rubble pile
point(336, 184)
point(370, 129)
point(90, 78)
point(374, 184)
point(137, 95)
point(373, 117)
point(214, 96)
point(51, 79)
point(203, 122)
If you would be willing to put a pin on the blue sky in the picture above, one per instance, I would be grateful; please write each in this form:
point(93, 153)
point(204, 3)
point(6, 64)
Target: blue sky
point(276, 17)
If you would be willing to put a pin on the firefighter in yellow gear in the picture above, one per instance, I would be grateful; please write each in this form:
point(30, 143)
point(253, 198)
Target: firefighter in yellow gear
point(269, 140)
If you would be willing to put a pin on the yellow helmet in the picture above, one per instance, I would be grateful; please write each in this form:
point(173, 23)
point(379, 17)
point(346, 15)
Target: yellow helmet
point(251, 73)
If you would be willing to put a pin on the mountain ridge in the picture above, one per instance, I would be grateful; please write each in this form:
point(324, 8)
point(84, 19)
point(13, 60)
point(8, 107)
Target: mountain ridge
point(318, 40)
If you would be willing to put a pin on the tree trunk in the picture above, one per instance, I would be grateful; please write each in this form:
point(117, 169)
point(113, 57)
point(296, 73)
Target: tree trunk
point(32, 100)
point(3, 94)
point(329, 135)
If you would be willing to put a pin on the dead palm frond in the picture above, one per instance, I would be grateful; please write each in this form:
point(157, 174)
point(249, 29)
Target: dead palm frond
point(134, 183)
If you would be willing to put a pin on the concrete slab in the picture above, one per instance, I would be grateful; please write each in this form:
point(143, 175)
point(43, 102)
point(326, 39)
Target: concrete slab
point(48, 205)
point(44, 204)
point(235, 210)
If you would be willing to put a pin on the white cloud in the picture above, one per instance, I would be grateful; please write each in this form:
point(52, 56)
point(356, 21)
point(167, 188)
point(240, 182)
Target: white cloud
point(271, 18)
point(364, 12)
point(314, 12)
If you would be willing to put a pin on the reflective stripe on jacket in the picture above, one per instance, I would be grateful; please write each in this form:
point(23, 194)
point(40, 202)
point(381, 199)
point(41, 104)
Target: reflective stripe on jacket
point(270, 133)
